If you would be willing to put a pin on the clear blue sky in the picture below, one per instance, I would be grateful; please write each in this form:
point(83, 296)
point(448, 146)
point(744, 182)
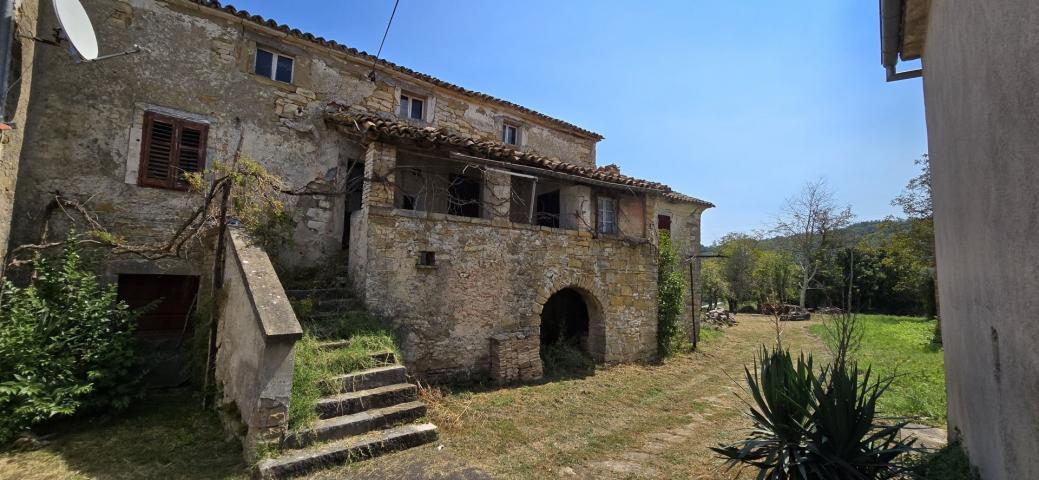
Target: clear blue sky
point(737, 102)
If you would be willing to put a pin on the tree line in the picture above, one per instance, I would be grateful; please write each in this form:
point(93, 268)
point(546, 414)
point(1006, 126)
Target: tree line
point(812, 254)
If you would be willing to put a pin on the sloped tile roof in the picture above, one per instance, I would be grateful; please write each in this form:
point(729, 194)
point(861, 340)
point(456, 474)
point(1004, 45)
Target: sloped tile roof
point(270, 23)
point(367, 123)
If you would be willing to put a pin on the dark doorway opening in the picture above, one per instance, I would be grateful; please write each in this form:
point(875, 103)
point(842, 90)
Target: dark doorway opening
point(166, 328)
point(354, 187)
point(464, 196)
point(565, 348)
point(547, 212)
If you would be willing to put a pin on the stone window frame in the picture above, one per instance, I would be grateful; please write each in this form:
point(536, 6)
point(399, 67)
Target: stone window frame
point(301, 58)
point(135, 138)
point(275, 55)
point(501, 121)
point(428, 106)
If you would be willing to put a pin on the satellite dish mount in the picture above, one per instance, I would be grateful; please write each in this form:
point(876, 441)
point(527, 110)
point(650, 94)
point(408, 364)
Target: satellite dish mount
point(77, 29)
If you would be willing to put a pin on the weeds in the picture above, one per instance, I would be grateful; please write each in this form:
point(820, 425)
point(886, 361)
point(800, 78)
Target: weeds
point(565, 360)
point(949, 463)
point(317, 367)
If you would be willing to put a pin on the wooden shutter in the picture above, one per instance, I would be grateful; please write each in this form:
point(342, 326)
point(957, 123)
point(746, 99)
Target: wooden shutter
point(664, 222)
point(171, 147)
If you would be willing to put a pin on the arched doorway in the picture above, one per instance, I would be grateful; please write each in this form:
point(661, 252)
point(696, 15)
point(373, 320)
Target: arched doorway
point(570, 340)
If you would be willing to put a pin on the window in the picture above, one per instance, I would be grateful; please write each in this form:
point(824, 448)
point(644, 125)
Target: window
point(510, 134)
point(274, 66)
point(427, 259)
point(412, 107)
point(607, 215)
point(170, 148)
point(463, 196)
point(664, 222)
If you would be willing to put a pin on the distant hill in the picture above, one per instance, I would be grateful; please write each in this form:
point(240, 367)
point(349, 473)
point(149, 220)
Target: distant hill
point(852, 233)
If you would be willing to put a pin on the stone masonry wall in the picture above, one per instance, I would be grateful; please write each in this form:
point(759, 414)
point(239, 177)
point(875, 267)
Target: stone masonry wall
point(493, 277)
point(516, 356)
point(22, 54)
point(85, 119)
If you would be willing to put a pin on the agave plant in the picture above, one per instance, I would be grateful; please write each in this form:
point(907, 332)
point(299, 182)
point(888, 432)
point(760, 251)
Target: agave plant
point(781, 392)
point(846, 441)
point(809, 426)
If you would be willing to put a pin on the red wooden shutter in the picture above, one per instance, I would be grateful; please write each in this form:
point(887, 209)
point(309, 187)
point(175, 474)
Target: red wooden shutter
point(170, 147)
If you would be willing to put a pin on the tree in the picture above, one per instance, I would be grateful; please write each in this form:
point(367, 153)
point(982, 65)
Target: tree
point(740, 251)
point(808, 226)
point(712, 282)
point(773, 276)
point(915, 245)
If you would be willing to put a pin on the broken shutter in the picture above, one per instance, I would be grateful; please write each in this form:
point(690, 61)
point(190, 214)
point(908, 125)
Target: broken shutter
point(171, 147)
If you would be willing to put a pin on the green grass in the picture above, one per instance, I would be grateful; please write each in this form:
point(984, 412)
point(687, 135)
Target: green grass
point(165, 435)
point(316, 367)
point(901, 347)
point(710, 333)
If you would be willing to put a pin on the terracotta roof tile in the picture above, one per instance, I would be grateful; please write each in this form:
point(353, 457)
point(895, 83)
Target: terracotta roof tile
point(367, 123)
point(230, 9)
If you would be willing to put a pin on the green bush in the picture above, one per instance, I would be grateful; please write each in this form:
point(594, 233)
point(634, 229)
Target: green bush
point(66, 346)
point(809, 426)
point(564, 360)
point(949, 463)
point(671, 337)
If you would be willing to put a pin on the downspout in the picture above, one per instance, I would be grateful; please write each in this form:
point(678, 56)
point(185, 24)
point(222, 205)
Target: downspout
point(6, 45)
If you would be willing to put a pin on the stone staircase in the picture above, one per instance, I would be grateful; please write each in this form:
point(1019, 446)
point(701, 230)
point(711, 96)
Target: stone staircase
point(373, 411)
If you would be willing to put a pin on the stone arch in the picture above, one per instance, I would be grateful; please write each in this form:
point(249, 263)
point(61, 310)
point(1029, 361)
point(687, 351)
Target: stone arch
point(596, 326)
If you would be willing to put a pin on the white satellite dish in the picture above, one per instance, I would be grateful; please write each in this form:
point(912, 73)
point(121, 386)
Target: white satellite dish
point(76, 24)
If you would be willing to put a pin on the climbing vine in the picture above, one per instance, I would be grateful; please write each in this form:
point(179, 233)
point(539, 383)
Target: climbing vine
point(671, 336)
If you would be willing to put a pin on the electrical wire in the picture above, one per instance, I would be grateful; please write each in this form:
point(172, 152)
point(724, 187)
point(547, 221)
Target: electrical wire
point(371, 75)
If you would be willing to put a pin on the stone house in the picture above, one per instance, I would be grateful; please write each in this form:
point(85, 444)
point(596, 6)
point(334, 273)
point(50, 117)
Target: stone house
point(981, 84)
point(464, 219)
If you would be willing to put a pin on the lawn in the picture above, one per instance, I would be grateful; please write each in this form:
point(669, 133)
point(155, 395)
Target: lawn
point(901, 347)
point(623, 421)
point(164, 436)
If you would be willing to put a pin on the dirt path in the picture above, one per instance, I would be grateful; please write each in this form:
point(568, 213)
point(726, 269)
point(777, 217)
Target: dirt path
point(627, 421)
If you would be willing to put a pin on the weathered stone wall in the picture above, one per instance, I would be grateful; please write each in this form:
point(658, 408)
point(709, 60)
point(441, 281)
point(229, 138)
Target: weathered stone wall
point(86, 119)
point(685, 236)
point(21, 71)
point(493, 277)
point(255, 343)
point(516, 356)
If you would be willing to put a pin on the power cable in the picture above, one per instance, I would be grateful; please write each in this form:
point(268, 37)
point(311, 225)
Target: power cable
point(371, 75)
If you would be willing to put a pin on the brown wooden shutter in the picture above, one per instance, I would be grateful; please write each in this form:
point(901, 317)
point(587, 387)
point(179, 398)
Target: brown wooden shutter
point(664, 222)
point(170, 147)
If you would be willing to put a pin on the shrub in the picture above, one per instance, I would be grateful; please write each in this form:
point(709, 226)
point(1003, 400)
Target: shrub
point(949, 463)
point(66, 345)
point(671, 336)
point(809, 426)
point(564, 360)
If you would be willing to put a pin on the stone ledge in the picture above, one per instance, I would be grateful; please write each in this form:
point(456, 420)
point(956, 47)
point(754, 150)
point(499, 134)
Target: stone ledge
point(270, 303)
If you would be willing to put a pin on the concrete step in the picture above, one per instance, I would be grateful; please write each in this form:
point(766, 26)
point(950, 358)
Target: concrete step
point(319, 293)
point(299, 462)
point(370, 378)
point(357, 424)
point(384, 357)
point(354, 402)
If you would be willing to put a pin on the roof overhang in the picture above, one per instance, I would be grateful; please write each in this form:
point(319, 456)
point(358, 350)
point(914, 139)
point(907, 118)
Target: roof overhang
point(903, 34)
point(373, 127)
